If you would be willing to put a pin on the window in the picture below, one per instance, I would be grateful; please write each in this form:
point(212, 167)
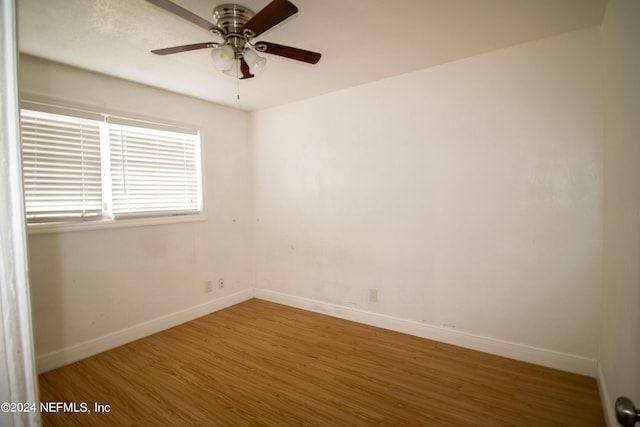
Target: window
point(61, 167)
point(81, 166)
point(153, 171)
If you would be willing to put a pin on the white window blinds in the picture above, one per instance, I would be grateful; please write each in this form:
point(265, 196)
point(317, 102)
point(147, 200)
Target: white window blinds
point(81, 165)
point(61, 167)
point(153, 171)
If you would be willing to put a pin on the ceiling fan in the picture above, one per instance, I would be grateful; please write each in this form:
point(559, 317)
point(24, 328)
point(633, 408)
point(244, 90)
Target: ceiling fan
point(238, 25)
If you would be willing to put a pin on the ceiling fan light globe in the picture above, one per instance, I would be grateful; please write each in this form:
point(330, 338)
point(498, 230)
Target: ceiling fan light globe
point(258, 66)
point(223, 57)
point(255, 62)
point(233, 70)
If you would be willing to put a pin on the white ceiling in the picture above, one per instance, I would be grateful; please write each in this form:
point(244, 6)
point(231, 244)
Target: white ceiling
point(361, 40)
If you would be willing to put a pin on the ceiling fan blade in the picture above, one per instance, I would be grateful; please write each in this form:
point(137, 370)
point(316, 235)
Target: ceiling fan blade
point(270, 16)
point(244, 68)
point(185, 48)
point(289, 52)
point(185, 14)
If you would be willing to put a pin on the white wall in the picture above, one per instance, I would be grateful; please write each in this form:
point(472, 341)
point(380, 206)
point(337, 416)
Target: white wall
point(88, 284)
point(620, 353)
point(469, 195)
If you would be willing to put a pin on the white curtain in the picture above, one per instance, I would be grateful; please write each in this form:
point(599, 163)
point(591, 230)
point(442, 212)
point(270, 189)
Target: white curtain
point(18, 380)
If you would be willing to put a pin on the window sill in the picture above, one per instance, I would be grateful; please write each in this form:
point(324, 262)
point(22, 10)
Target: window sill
point(65, 227)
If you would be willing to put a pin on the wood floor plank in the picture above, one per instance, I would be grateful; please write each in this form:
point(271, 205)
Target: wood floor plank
point(260, 363)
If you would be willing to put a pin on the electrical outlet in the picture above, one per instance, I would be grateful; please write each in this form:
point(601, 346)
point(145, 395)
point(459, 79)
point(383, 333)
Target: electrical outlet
point(220, 283)
point(373, 295)
point(208, 286)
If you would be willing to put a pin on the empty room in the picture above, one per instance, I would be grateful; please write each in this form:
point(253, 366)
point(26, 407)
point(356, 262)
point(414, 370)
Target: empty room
point(331, 213)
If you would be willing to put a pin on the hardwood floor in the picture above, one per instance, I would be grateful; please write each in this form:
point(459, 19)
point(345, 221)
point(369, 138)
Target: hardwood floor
point(259, 363)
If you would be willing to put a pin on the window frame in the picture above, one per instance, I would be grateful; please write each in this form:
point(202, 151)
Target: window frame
point(104, 115)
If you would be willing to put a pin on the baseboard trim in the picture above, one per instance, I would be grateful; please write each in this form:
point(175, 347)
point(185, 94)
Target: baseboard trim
point(539, 356)
point(64, 356)
point(605, 399)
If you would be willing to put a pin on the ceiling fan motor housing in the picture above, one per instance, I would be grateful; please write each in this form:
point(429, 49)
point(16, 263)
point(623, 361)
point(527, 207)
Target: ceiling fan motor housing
point(231, 17)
